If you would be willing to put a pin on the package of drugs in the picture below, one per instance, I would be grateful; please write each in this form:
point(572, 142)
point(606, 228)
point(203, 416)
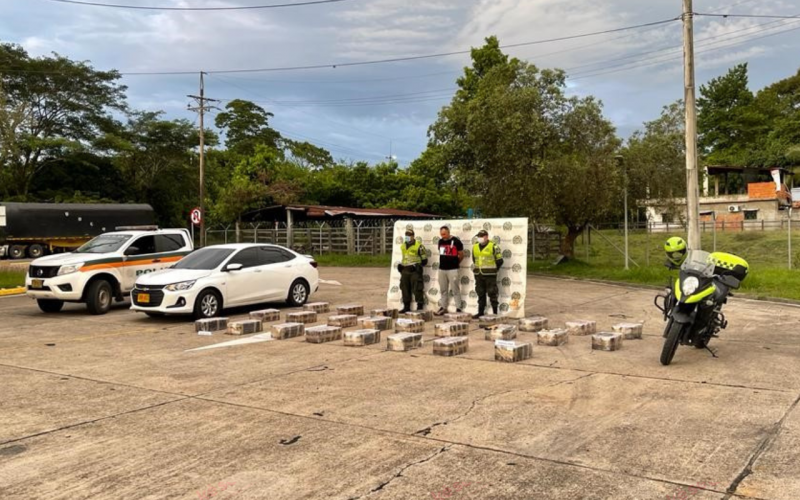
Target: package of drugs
point(553, 338)
point(451, 329)
point(488, 320)
point(245, 327)
point(501, 332)
point(450, 346)
point(404, 341)
point(607, 341)
point(318, 307)
point(533, 324)
point(359, 338)
point(380, 323)
point(288, 331)
point(509, 351)
point(304, 317)
point(353, 309)
point(423, 315)
point(322, 334)
point(405, 325)
point(211, 325)
point(458, 317)
point(266, 316)
point(343, 320)
point(581, 327)
point(630, 331)
point(389, 313)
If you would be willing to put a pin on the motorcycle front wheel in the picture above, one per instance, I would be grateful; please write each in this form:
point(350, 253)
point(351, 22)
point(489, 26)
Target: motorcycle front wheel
point(671, 342)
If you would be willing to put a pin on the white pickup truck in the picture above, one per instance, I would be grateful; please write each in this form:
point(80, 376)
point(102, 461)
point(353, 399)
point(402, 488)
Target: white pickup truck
point(104, 269)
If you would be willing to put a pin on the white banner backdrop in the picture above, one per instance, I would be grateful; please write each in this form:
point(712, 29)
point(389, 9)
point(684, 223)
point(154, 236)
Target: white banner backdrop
point(510, 234)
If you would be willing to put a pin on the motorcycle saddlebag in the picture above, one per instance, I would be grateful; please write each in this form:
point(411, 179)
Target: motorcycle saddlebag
point(730, 265)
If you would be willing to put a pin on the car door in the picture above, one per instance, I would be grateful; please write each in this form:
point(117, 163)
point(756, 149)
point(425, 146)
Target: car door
point(279, 272)
point(139, 256)
point(245, 286)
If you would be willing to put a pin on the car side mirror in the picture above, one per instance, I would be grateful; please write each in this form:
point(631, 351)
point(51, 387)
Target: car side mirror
point(233, 267)
point(132, 251)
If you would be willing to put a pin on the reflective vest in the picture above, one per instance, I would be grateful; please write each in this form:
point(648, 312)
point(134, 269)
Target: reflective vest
point(486, 258)
point(412, 254)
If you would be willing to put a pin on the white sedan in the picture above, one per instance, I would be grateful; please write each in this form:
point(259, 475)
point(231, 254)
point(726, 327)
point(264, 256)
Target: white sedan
point(213, 278)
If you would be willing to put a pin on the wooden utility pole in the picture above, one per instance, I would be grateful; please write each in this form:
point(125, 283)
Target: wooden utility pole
point(692, 182)
point(201, 108)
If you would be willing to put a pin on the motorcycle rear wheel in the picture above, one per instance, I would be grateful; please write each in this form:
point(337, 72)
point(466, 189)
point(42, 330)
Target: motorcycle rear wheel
point(671, 342)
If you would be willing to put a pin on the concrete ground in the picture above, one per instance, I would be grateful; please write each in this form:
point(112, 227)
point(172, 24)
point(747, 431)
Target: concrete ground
point(115, 407)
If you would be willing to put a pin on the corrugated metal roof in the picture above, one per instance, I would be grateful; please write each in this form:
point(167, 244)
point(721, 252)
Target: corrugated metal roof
point(321, 212)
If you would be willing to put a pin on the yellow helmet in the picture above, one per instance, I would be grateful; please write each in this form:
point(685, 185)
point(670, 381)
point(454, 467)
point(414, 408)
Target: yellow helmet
point(675, 249)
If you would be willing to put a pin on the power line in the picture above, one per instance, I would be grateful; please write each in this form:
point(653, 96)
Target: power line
point(747, 16)
point(195, 9)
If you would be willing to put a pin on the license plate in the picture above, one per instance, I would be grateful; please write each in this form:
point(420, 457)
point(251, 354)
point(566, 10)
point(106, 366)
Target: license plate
point(37, 284)
point(143, 297)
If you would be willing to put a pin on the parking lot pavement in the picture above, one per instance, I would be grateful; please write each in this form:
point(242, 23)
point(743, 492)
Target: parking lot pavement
point(119, 406)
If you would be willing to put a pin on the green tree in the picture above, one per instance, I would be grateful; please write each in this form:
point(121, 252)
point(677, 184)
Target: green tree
point(246, 125)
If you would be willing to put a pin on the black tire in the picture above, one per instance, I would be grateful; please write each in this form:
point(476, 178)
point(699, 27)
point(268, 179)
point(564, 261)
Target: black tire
point(671, 342)
point(208, 305)
point(35, 251)
point(298, 293)
point(16, 252)
point(99, 296)
point(50, 305)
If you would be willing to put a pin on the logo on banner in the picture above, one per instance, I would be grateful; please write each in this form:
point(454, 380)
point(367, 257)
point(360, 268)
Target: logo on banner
point(435, 240)
point(506, 254)
point(517, 268)
point(409, 227)
point(395, 290)
point(426, 278)
point(465, 280)
point(467, 227)
point(433, 292)
point(508, 226)
point(473, 295)
point(506, 282)
point(463, 305)
point(504, 307)
point(467, 254)
point(435, 266)
point(428, 228)
point(518, 240)
point(487, 226)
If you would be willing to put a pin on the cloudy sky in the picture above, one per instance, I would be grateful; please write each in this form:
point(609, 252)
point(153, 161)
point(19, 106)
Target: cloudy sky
point(363, 112)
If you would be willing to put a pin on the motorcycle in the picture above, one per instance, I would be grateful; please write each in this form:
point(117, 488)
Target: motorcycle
point(692, 304)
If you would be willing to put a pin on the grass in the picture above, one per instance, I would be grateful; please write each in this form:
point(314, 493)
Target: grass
point(335, 260)
point(11, 278)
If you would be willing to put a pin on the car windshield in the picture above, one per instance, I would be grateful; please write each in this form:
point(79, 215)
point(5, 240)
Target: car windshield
point(104, 243)
point(699, 262)
point(205, 259)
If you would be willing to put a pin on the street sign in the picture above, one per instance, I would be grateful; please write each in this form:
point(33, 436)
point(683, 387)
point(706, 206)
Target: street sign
point(196, 216)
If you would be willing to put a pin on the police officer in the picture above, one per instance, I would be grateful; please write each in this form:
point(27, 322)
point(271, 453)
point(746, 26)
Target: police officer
point(415, 257)
point(488, 260)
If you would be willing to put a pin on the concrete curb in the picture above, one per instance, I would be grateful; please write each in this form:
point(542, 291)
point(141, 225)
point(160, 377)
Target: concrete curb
point(5, 292)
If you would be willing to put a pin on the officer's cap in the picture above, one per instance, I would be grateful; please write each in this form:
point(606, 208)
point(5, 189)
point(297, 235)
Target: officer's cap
point(482, 232)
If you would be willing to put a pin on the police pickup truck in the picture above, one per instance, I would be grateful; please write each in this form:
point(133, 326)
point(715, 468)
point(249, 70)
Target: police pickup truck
point(105, 268)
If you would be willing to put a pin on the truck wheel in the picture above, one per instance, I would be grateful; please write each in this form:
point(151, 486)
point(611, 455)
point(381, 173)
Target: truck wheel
point(16, 251)
point(50, 305)
point(98, 297)
point(35, 251)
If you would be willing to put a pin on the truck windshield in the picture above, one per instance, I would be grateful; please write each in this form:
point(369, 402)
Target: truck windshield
point(204, 259)
point(104, 243)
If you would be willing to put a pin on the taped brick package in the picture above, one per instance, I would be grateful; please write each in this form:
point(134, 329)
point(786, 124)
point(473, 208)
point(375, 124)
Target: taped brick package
point(343, 320)
point(458, 317)
point(245, 327)
point(501, 332)
point(607, 341)
point(354, 309)
point(509, 351)
point(581, 327)
point(423, 315)
point(288, 331)
point(360, 338)
point(211, 325)
point(405, 325)
point(380, 323)
point(318, 307)
point(451, 329)
point(450, 346)
point(404, 341)
point(553, 338)
point(533, 324)
point(488, 320)
point(630, 331)
point(389, 313)
point(266, 316)
point(304, 317)
point(322, 334)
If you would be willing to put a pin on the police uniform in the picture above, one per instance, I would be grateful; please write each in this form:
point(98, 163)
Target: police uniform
point(415, 257)
point(488, 259)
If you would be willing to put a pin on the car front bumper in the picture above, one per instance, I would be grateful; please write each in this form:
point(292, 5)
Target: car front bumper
point(171, 303)
point(68, 288)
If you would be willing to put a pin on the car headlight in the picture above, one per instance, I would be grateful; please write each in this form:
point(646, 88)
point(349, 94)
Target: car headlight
point(72, 268)
point(690, 285)
point(179, 287)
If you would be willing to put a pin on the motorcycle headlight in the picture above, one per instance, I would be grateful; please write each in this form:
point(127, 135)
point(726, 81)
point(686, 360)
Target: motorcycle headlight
point(72, 268)
point(179, 287)
point(690, 285)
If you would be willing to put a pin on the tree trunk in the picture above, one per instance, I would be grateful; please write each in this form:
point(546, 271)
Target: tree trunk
point(568, 243)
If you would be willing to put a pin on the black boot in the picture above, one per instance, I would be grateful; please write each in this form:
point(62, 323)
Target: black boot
point(406, 309)
point(420, 306)
point(494, 308)
point(478, 316)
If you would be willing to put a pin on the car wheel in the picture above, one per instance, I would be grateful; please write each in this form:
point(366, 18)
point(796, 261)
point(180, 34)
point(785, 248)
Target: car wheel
point(99, 297)
point(16, 252)
point(35, 251)
point(50, 305)
point(207, 305)
point(298, 293)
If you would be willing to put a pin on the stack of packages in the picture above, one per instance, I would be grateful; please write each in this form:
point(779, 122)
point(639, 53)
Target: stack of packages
point(318, 307)
point(423, 315)
point(553, 338)
point(343, 320)
point(404, 325)
point(509, 351)
point(245, 327)
point(404, 341)
point(266, 316)
point(452, 329)
point(533, 324)
point(360, 338)
point(211, 325)
point(322, 334)
point(450, 346)
point(305, 317)
point(607, 341)
point(353, 309)
point(288, 331)
point(580, 328)
point(501, 332)
point(389, 313)
point(458, 317)
point(631, 331)
point(488, 320)
point(380, 323)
